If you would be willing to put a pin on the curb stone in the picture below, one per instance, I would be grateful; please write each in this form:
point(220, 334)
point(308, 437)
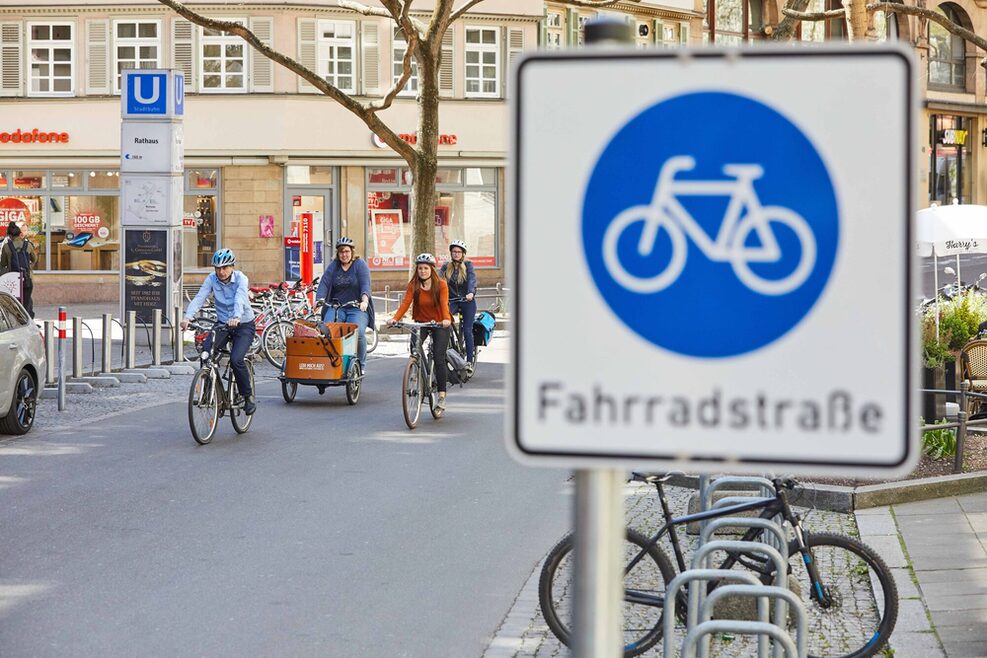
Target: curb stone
point(104, 381)
point(150, 373)
point(51, 393)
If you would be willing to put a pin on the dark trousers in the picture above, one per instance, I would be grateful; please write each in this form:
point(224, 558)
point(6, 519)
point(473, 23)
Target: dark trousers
point(468, 311)
point(440, 343)
point(241, 336)
point(28, 302)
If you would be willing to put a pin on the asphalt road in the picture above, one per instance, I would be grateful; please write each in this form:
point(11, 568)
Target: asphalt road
point(327, 530)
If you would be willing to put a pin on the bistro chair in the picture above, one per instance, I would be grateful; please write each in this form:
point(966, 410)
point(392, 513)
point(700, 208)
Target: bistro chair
point(973, 360)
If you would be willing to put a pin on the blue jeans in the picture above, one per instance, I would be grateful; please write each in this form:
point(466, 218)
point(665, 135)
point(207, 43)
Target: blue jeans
point(241, 336)
point(468, 310)
point(359, 318)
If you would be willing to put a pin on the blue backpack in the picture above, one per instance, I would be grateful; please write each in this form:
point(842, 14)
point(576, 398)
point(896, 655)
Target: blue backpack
point(20, 261)
point(483, 327)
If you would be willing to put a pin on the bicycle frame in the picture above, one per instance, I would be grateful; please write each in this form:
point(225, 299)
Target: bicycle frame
point(742, 195)
point(770, 507)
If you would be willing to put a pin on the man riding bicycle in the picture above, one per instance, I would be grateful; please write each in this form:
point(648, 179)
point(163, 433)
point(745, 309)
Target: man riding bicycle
point(229, 291)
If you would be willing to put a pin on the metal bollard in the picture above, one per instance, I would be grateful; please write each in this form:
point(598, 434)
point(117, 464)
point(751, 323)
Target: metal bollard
point(961, 430)
point(76, 347)
point(61, 358)
point(131, 339)
point(107, 343)
point(50, 334)
point(178, 339)
point(156, 337)
point(387, 300)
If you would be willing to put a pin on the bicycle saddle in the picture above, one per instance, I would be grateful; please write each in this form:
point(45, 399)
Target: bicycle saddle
point(651, 478)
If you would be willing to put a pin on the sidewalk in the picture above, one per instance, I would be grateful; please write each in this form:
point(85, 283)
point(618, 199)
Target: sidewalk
point(938, 550)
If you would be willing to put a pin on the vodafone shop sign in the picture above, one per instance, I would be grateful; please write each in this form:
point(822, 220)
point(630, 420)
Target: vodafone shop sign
point(13, 210)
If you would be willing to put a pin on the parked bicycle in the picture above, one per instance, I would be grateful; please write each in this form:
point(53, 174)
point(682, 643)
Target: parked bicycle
point(418, 382)
point(834, 575)
point(209, 399)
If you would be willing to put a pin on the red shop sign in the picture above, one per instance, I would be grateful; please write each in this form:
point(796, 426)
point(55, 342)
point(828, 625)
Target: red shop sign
point(13, 210)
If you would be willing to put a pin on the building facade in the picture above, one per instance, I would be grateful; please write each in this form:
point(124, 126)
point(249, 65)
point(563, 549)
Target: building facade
point(263, 147)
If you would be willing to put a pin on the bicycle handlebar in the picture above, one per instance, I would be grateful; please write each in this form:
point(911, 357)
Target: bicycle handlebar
point(417, 325)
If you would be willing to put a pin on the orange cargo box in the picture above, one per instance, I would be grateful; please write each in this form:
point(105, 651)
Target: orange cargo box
point(314, 358)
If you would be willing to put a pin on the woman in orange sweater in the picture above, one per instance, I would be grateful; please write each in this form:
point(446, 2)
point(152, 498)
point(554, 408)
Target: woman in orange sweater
point(428, 296)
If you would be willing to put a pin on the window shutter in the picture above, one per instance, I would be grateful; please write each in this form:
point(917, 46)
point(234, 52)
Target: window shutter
point(684, 34)
point(307, 52)
point(98, 76)
point(183, 51)
point(262, 68)
point(659, 33)
point(572, 27)
point(515, 45)
point(11, 71)
point(447, 85)
point(370, 42)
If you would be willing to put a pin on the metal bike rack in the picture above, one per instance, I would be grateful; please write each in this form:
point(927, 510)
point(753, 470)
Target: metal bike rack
point(50, 334)
point(78, 324)
point(130, 334)
point(782, 638)
point(156, 337)
point(776, 531)
point(178, 339)
point(693, 578)
point(762, 483)
point(762, 593)
point(107, 346)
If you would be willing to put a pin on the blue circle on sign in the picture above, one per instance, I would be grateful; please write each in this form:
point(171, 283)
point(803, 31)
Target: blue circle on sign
point(710, 224)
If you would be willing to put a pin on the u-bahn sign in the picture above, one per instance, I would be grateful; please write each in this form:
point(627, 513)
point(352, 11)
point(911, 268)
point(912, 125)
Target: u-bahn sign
point(712, 260)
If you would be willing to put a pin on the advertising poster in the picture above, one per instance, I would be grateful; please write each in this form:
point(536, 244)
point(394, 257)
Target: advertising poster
point(388, 237)
point(266, 225)
point(87, 221)
point(146, 275)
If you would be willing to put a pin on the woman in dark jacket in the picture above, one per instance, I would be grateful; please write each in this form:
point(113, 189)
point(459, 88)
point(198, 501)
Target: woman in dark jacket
point(459, 274)
point(347, 279)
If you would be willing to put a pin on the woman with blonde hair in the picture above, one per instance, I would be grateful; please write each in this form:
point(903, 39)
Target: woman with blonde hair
point(459, 275)
point(428, 296)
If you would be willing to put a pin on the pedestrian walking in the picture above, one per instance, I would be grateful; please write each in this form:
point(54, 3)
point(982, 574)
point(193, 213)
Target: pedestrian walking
point(346, 280)
point(17, 254)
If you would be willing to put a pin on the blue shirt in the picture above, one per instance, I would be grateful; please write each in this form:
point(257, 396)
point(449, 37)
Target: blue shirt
point(231, 298)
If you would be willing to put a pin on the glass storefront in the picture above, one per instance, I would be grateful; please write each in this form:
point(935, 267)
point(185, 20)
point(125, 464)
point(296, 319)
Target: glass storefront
point(73, 217)
point(950, 168)
point(465, 209)
point(311, 191)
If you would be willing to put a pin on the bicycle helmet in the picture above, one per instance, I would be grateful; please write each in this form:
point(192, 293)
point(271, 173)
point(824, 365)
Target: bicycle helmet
point(223, 257)
point(425, 258)
point(458, 243)
point(344, 242)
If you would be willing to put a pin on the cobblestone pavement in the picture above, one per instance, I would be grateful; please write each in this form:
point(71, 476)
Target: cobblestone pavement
point(525, 634)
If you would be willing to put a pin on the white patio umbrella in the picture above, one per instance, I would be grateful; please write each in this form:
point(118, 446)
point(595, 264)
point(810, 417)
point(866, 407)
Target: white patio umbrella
point(951, 230)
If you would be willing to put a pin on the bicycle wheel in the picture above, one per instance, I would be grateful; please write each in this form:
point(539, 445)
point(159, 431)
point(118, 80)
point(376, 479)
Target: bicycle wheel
point(863, 597)
point(372, 338)
point(741, 256)
point(274, 342)
point(411, 393)
point(645, 582)
point(354, 374)
point(652, 221)
point(433, 391)
point(288, 391)
point(203, 406)
point(241, 421)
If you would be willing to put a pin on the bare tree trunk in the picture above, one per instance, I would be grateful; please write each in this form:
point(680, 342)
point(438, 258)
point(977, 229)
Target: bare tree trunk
point(426, 159)
point(857, 19)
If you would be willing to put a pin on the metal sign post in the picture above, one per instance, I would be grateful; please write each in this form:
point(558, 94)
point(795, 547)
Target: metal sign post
point(61, 357)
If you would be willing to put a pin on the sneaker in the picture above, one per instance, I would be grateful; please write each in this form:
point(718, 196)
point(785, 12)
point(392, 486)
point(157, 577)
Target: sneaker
point(249, 407)
point(440, 404)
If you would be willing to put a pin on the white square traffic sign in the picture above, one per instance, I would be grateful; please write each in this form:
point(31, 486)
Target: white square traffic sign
point(712, 256)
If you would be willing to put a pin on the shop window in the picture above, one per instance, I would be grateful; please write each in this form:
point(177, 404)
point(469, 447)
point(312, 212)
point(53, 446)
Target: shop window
point(103, 180)
point(463, 211)
point(52, 54)
point(482, 66)
point(950, 170)
point(400, 48)
point(199, 231)
point(203, 179)
point(947, 53)
point(137, 45)
point(336, 54)
point(84, 232)
point(223, 64)
point(29, 180)
point(304, 175)
point(67, 180)
point(3, 179)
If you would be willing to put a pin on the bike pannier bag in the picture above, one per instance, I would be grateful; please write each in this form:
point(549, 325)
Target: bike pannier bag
point(483, 327)
point(456, 365)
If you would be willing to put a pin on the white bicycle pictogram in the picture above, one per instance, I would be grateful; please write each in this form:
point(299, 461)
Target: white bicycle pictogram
point(744, 213)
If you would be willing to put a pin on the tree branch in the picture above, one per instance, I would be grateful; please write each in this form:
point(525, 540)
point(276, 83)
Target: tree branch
point(412, 47)
point(462, 10)
point(813, 15)
point(785, 29)
point(368, 116)
point(935, 17)
point(364, 9)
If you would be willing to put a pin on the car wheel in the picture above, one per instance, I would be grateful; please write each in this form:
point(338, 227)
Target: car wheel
point(23, 404)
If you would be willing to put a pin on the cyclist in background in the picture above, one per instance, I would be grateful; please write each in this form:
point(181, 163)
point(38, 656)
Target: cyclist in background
point(428, 297)
point(459, 275)
point(347, 279)
point(229, 291)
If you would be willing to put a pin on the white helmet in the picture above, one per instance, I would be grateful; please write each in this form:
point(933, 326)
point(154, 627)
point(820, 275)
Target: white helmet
point(425, 258)
point(458, 243)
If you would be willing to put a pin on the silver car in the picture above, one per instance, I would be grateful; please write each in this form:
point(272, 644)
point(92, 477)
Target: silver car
point(22, 366)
